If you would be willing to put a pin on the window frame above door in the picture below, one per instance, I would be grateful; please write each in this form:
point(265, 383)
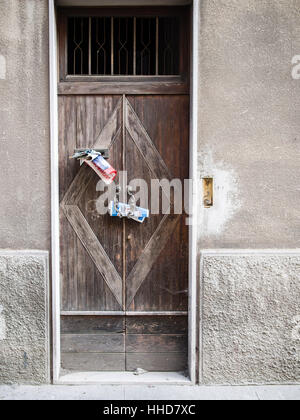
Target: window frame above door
point(93, 84)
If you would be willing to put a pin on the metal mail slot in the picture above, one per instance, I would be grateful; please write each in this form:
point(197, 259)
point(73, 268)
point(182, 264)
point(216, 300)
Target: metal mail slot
point(104, 152)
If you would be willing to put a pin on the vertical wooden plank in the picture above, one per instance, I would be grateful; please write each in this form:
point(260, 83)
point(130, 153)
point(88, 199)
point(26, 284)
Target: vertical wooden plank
point(90, 273)
point(138, 236)
point(83, 287)
point(163, 288)
point(67, 169)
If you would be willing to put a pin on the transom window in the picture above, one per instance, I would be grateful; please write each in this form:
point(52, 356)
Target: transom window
point(124, 50)
point(123, 46)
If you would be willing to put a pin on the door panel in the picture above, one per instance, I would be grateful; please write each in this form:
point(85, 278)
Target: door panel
point(92, 343)
point(165, 288)
point(91, 250)
point(107, 230)
point(160, 278)
point(108, 264)
point(166, 120)
point(134, 276)
point(137, 239)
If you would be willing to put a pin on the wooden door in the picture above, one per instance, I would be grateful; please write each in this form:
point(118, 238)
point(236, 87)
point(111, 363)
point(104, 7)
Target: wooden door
point(124, 285)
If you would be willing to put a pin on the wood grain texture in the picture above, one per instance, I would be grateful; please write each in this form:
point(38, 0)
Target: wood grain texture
point(125, 11)
point(108, 230)
point(166, 121)
point(81, 120)
point(93, 362)
point(93, 343)
point(122, 88)
point(111, 129)
point(157, 325)
point(167, 280)
point(95, 250)
point(145, 145)
point(68, 168)
point(78, 186)
point(156, 343)
point(149, 257)
point(137, 237)
point(156, 362)
point(92, 324)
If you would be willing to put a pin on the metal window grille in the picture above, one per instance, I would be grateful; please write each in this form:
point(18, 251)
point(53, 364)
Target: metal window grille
point(123, 46)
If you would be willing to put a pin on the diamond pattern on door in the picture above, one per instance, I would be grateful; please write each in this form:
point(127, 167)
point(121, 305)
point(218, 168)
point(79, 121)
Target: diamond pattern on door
point(70, 205)
point(83, 230)
point(168, 223)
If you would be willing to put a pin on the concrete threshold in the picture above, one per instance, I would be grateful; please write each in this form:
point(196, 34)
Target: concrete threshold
point(148, 392)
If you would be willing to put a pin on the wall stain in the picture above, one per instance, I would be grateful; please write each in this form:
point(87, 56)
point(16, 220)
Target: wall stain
point(2, 67)
point(25, 359)
point(227, 200)
point(2, 324)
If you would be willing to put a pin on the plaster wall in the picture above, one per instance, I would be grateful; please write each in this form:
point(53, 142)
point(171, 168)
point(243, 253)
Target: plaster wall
point(249, 123)
point(250, 318)
point(249, 143)
point(24, 191)
point(24, 320)
point(24, 125)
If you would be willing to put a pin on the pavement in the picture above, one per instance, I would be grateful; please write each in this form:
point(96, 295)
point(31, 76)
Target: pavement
point(148, 392)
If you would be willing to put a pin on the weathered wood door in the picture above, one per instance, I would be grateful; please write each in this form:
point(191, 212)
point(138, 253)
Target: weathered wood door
point(124, 285)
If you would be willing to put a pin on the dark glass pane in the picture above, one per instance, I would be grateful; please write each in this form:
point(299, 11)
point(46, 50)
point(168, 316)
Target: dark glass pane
point(101, 46)
point(145, 46)
point(78, 46)
point(169, 29)
point(123, 46)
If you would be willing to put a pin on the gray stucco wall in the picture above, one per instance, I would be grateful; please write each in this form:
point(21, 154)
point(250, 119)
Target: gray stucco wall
point(24, 320)
point(249, 143)
point(24, 125)
point(250, 318)
point(24, 191)
point(249, 123)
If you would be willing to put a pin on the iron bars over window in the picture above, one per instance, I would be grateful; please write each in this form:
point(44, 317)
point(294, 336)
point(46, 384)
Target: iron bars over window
point(123, 46)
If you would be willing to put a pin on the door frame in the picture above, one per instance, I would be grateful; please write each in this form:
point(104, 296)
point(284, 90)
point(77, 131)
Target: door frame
point(123, 377)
